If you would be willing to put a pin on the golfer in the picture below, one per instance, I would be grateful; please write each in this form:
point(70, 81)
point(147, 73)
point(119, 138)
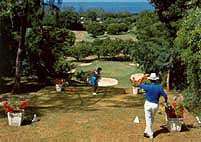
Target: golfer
point(95, 77)
point(153, 93)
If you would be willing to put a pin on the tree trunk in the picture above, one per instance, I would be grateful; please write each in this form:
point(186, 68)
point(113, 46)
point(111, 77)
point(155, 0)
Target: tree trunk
point(16, 87)
point(168, 80)
point(99, 57)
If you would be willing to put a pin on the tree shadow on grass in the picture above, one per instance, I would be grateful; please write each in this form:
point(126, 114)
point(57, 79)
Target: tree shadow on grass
point(2, 113)
point(78, 99)
point(75, 99)
point(25, 88)
point(119, 59)
point(71, 100)
point(88, 60)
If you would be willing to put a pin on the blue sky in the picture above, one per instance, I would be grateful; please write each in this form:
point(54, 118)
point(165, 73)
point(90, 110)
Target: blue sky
point(105, 0)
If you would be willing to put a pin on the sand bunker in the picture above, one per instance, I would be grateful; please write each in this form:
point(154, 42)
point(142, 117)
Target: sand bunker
point(84, 64)
point(107, 82)
point(132, 64)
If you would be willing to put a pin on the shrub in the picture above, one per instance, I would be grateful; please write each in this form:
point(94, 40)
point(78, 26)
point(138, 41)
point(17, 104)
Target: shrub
point(46, 47)
point(70, 19)
point(117, 28)
point(63, 68)
point(189, 43)
point(123, 27)
point(83, 75)
point(110, 48)
point(95, 29)
point(80, 50)
point(49, 19)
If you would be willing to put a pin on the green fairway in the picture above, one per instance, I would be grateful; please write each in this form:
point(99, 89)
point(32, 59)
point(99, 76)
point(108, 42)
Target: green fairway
point(118, 70)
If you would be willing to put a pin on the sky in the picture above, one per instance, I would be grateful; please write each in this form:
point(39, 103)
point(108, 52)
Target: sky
point(105, 0)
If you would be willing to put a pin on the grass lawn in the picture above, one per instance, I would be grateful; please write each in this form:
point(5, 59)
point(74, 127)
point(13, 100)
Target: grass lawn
point(118, 70)
point(75, 115)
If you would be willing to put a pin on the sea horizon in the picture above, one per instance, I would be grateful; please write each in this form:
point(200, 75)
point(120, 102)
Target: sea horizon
point(114, 7)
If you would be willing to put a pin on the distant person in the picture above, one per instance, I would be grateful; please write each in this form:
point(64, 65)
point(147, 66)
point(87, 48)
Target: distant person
point(152, 95)
point(95, 77)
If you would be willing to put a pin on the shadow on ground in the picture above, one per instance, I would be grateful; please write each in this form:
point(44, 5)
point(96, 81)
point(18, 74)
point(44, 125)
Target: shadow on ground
point(25, 88)
point(77, 99)
point(162, 130)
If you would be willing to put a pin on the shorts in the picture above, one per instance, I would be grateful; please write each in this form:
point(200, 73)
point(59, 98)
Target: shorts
point(93, 81)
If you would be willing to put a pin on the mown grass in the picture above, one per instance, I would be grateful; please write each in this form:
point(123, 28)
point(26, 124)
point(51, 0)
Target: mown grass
point(76, 115)
point(73, 114)
point(114, 69)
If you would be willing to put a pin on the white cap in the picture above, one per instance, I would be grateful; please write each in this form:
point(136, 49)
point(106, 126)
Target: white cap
point(153, 76)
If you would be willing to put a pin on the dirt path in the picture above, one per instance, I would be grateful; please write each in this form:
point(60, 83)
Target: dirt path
point(104, 118)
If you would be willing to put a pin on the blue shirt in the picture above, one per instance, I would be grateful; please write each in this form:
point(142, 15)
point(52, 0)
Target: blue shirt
point(153, 92)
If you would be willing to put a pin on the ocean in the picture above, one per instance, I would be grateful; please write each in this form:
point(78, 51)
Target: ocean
point(132, 7)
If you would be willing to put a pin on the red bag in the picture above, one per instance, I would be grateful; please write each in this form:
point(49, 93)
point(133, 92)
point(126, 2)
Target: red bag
point(170, 112)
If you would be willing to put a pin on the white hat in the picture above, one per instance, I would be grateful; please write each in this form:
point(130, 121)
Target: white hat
point(153, 76)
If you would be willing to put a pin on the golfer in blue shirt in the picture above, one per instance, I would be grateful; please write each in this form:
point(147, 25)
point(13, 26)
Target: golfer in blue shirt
point(95, 77)
point(153, 92)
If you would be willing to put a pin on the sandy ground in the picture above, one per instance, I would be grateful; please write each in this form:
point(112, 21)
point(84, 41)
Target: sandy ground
point(104, 118)
point(132, 64)
point(84, 64)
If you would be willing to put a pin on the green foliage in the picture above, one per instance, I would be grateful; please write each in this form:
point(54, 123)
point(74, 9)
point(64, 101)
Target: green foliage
point(94, 14)
point(97, 48)
point(63, 67)
point(121, 17)
point(95, 28)
point(191, 101)
point(14, 102)
point(150, 28)
point(80, 50)
point(189, 42)
point(152, 50)
point(56, 39)
point(83, 75)
point(170, 12)
point(49, 19)
point(117, 28)
point(70, 19)
point(45, 48)
point(110, 48)
point(60, 40)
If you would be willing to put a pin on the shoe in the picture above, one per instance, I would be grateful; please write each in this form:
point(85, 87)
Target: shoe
point(35, 118)
point(147, 136)
point(151, 137)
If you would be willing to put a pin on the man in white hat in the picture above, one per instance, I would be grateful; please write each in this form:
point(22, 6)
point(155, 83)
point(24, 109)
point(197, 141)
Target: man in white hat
point(153, 93)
